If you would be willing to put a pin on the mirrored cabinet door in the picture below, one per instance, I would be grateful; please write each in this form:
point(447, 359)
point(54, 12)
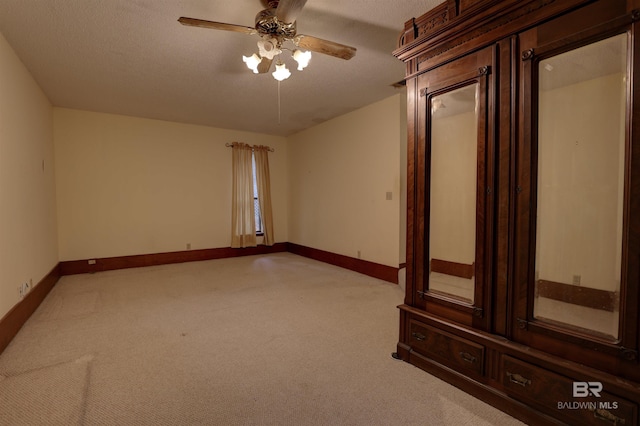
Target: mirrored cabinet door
point(580, 187)
point(455, 163)
point(576, 234)
point(453, 185)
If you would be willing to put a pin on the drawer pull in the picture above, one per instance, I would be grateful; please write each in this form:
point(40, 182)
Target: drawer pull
point(605, 415)
point(466, 356)
point(418, 336)
point(518, 379)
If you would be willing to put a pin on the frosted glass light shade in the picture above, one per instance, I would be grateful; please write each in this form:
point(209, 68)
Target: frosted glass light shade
point(252, 62)
point(281, 72)
point(302, 58)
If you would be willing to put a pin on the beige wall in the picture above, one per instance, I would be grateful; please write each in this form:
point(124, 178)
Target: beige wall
point(133, 186)
point(454, 159)
point(340, 172)
point(126, 185)
point(581, 170)
point(28, 240)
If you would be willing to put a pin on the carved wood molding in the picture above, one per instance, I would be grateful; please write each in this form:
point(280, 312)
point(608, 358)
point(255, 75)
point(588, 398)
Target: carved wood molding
point(435, 22)
point(494, 24)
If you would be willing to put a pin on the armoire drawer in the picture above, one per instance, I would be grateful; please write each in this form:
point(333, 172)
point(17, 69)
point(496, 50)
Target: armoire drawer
point(576, 401)
point(448, 349)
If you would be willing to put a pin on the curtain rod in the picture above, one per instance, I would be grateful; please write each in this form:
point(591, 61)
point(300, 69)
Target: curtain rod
point(230, 145)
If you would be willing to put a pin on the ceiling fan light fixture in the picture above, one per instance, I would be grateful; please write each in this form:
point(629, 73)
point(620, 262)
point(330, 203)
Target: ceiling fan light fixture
point(276, 26)
point(302, 58)
point(252, 62)
point(281, 72)
point(268, 48)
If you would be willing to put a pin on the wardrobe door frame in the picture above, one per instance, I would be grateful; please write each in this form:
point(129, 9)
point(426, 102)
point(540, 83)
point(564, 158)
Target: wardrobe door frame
point(618, 357)
point(477, 67)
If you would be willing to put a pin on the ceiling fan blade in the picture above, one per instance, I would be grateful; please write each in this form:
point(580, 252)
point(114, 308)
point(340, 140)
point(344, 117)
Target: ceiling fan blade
point(216, 25)
point(325, 46)
point(264, 65)
point(288, 10)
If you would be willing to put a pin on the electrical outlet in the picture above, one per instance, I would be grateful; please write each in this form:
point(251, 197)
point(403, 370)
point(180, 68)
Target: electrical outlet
point(188, 246)
point(576, 280)
point(23, 289)
point(92, 261)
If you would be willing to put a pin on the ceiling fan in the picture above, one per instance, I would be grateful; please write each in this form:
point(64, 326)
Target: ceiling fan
point(276, 25)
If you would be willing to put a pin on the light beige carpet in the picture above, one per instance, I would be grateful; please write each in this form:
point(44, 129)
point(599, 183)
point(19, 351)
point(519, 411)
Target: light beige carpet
point(261, 340)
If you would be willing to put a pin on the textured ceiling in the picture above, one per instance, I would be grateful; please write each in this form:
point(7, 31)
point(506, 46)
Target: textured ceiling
point(132, 57)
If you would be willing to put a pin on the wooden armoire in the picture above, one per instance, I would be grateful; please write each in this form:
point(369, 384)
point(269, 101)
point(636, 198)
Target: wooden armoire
point(523, 205)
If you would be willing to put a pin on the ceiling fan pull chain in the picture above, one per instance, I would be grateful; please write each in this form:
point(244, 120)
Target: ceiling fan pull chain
point(278, 102)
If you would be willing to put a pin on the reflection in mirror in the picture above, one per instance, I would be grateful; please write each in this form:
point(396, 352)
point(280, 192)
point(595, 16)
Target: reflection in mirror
point(581, 165)
point(452, 214)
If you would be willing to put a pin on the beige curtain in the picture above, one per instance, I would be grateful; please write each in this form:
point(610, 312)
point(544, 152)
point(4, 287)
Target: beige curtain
point(243, 226)
point(263, 181)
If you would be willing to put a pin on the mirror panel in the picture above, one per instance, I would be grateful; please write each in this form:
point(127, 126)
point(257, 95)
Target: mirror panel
point(453, 187)
point(580, 184)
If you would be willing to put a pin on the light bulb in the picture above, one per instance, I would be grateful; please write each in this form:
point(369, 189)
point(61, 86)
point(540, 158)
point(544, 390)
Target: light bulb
point(302, 58)
point(281, 72)
point(252, 62)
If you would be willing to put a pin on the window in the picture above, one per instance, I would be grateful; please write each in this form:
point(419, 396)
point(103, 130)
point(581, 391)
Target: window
point(256, 203)
point(251, 196)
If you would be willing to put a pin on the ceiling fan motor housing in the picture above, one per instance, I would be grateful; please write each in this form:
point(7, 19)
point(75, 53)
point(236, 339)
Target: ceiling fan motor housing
point(268, 24)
